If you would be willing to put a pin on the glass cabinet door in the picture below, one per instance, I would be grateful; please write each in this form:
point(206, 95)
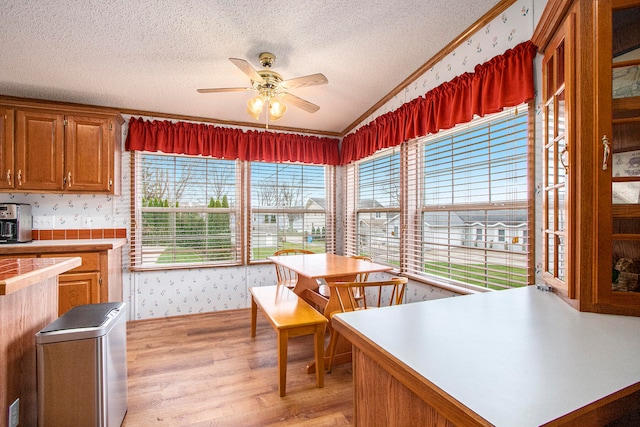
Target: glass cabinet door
point(556, 166)
point(620, 144)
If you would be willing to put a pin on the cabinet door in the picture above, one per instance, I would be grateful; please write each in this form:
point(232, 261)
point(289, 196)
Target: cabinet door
point(558, 155)
point(88, 154)
point(77, 289)
point(7, 170)
point(618, 119)
point(39, 150)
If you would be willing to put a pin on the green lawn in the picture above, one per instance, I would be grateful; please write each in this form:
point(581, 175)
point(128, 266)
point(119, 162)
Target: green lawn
point(317, 246)
point(186, 256)
point(493, 276)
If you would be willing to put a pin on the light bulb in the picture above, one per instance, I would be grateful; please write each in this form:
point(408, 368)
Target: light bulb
point(276, 110)
point(254, 106)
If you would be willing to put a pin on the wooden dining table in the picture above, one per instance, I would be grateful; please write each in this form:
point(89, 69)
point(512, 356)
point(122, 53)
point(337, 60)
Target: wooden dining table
point(314, 268)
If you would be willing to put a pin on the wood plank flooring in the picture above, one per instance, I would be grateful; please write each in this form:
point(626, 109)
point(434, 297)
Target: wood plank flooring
point(206, 370)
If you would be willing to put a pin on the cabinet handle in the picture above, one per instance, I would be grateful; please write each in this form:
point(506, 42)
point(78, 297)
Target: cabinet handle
point(9, 177)
point(564, 154)
point(69, 180)
point(607, 151)
point(20, 177)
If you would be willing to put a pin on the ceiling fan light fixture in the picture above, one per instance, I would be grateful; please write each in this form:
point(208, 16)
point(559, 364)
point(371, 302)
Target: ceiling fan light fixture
point(254, 106)
point(276, 110)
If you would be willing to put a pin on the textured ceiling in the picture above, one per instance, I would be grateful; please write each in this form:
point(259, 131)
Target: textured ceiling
point(152, 55)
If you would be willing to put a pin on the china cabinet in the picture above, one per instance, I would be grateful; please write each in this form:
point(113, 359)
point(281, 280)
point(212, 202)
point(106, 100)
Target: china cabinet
point(591, 155)
point(617, 84)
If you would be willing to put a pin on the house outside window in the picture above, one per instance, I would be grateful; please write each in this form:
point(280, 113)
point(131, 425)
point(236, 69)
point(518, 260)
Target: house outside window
point(191, 211)
point(299, 208)
point(454, 208)
point(474, 191)
point(373, 207)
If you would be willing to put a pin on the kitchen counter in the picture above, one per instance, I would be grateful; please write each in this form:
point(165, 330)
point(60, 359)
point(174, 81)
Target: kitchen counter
point(520, 357)
point(28, 303)
point(53, 246)
point(18, 273)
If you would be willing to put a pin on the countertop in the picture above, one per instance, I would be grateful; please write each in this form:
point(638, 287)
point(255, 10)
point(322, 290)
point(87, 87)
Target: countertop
point(517, 357)
point(54, 246)
point(18, 273)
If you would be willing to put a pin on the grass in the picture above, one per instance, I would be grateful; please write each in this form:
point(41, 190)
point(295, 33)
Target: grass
point(185, 256)
point(264, 252)
point(492, 276)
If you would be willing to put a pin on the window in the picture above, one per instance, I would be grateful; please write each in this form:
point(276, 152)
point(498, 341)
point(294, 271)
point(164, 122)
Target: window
point(452, 208)
point(185, 211)
point(468, 214)
point(291, 208)
point(373, 209)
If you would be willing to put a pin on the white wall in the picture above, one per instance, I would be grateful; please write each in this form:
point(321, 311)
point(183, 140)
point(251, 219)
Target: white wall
point(177, 292)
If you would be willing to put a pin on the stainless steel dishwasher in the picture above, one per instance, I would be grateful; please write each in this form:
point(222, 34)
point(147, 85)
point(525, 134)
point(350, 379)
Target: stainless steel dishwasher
point(82, 367)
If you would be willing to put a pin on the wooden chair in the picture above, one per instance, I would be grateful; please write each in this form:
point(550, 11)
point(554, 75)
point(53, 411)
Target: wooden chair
point(388, 293)
point(323, 288)
point(362, 277)
point(285, 276)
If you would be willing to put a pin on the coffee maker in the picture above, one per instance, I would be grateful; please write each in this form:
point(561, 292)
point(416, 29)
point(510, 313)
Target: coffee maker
point(15, 222)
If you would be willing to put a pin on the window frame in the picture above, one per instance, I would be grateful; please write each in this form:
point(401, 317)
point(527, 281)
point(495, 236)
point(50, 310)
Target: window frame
point(354, 210)
point(412, 207)
point(280, 211)
point(241, 210)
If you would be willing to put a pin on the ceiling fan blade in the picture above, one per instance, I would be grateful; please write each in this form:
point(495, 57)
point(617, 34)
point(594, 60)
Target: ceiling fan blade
point(299, 102)
point(247, 69)
point(310, 80)
point(225, 89)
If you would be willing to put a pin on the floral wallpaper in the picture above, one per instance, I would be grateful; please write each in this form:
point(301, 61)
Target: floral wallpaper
point(154, 294)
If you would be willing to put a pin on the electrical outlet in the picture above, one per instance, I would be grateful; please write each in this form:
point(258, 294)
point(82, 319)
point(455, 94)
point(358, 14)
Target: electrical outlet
point(14, 414)
point(86, 221)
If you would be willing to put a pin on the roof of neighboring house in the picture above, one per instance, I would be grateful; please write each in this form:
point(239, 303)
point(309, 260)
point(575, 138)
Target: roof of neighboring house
point(320, 201)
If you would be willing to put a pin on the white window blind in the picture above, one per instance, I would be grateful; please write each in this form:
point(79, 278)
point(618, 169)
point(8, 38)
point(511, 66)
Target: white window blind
point(186, 211)
point(372, 199)
point(467, 204)
point(292, 206)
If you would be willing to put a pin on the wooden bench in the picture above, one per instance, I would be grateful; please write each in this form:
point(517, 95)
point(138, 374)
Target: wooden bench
point(290, 316)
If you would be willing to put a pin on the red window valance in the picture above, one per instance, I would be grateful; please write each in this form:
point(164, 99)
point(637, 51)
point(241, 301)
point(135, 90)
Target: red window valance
point(229, 143)
point(504, 81)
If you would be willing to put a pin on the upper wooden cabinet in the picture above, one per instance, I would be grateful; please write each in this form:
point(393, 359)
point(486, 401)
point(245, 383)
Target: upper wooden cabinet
point(59, 149)
point(6, 148)
point(591, 134)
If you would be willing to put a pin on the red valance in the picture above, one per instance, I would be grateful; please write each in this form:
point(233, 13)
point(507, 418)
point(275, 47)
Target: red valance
point(229, 143)
point(503, 81)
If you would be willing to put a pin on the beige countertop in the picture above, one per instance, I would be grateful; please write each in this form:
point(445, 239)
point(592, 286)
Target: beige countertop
point(59, 246)
point(519, 357)
point(18, 273)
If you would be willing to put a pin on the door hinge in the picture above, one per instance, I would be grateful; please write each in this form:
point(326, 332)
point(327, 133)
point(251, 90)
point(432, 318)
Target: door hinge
point(100, 281)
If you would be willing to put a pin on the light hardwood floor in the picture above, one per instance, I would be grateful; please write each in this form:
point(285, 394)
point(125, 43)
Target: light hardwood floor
point(206, 370)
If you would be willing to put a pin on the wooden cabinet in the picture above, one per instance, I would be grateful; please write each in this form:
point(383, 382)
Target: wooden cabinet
point(39, 142)
point(617, 78)
point(81, 285)
point(6, 148)
point(98, 279)
point(591, 134)
point(59, 149)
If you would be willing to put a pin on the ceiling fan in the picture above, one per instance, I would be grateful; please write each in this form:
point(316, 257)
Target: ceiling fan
point(272, 88)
